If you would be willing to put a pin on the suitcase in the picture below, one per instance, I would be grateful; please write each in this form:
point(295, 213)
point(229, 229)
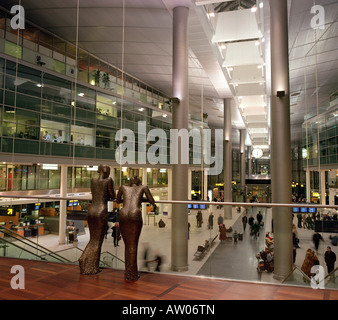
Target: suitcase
point(240, 236)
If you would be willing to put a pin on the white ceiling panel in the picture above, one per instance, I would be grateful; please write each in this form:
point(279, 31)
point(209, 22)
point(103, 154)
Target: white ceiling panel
point(236, 25)
point(242, 53)
point(246, 74)
point(249, 89)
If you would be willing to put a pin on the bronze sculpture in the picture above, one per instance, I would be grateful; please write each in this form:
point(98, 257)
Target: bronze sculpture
point(102, 189)
point(130, 219)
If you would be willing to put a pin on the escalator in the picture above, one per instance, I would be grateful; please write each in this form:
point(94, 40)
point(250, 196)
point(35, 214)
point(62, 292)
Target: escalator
point(13, 245)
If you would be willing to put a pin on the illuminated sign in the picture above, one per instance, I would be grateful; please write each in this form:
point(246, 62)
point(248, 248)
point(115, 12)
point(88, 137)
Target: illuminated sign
point(6, 211)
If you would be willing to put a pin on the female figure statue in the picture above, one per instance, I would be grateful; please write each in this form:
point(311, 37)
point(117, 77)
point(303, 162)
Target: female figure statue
point(130, 219)
point(102, 189)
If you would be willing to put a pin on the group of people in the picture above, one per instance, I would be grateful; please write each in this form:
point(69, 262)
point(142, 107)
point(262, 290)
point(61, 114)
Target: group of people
point(255, 225)
point(311, 259)
point(54, 137)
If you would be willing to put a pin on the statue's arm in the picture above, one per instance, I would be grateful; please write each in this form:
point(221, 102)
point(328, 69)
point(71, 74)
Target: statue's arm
point(119, 196)
point(112, 193)
point(149, 196)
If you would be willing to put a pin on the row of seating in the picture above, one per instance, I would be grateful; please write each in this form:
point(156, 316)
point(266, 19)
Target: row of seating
point(202, 250)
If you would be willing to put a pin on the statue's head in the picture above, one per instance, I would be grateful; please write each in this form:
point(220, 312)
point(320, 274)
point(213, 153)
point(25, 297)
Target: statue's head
point(104, 169)
point(134, 180)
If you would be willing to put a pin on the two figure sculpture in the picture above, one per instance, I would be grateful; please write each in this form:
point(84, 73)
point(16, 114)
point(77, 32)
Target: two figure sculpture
point(130, 221)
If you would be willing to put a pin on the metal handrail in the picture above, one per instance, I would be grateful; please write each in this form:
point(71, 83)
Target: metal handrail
point(297, 268)
point(32, 244)
point(242, 204)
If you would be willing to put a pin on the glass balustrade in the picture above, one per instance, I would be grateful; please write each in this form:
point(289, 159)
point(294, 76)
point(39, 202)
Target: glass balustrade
point(246, 252)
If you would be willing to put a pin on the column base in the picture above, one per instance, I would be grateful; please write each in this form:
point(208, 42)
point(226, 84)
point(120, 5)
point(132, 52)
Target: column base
point(180, 269)
point(279, 277)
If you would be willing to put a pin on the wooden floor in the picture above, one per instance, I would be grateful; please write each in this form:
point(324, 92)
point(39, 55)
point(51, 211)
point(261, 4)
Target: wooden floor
point(51, 281)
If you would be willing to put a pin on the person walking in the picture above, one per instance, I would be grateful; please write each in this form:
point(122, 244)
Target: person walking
point(244, 221)
point(116, 234)
point(235, 235)
point(255, 230)
point(259, 217)
point(222, 234)
point(199, 219)
point(211, 221)
point(251, 221)
point(330, 259)
point(220, 220)
point(316, 238)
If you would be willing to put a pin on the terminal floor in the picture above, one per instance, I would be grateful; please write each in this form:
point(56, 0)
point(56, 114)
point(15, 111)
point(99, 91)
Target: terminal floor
point(227, 265)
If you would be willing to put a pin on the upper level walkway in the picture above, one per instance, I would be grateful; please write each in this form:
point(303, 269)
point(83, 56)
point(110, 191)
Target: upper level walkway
point(52, 281)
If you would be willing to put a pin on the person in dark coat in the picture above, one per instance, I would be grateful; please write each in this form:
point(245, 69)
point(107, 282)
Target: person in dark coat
point(251, 221)
point(330, 259)
point(316, 238)
point(244, 221)
point(116, 234)
point(222, 234)
point(199, 219)
point(259, 217)
point(211, 221)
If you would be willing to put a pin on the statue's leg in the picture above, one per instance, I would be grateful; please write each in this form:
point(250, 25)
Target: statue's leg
point(89, 261)
point(131, 230)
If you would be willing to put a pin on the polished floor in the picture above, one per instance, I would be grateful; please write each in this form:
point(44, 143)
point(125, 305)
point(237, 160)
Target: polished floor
point(228, 271)
point(51, 281)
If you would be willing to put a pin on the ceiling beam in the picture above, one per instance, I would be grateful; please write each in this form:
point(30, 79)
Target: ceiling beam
point(203, 2)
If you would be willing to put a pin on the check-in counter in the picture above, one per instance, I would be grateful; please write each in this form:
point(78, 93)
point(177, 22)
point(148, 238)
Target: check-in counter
point(28, 231)
point(37, 229)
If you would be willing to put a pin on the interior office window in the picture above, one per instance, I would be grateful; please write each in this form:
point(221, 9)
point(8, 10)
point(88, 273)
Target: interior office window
point(28, 81)
point(105, 137)
point(54, 129)
point(31, 34)
point(8, 123)
point(83, 134)
point(56, 89)
point(31, 176)
point(85, 100)
point(27, 124)
point(27, 102)
point(54, 179)
point(55, 108)
point(83, 63)
point(41, 178)
point(106, 105)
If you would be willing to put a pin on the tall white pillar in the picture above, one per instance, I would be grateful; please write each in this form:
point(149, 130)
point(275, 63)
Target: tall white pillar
point(180, 120)
point(227, 158)
point(168, 207)
point(308, 186)
point(322, 187)
point(205, 187)
point(189, 183)
point(280, 139)
point(242, 155)
point(63, 205)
